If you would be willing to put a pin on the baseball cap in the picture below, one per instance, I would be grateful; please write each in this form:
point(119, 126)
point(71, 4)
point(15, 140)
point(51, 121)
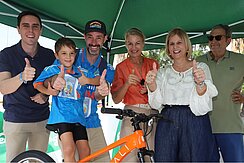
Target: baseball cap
point(95, 26)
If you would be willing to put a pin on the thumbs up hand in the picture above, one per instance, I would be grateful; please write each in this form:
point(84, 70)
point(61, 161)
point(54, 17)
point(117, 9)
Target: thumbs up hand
point(61, 74)
point(198, 73)
point(151, 75)
point(60, 82)
point(103, 89)
point(133, 79)
point(29, 72)
point(51, 91)
point(151, 78)
point(83, 80)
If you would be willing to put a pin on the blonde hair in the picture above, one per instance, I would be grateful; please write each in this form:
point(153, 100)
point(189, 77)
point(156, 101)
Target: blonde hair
point(135, 31)
point(183, 35)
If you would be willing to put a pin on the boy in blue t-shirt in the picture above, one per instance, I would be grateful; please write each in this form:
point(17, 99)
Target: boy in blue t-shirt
point(66, 116)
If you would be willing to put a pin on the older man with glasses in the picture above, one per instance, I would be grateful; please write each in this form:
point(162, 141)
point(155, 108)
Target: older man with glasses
point(228, 75)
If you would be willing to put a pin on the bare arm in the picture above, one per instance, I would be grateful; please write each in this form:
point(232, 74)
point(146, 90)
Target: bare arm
point(10, 84)
point(83, 80)
point(7, 84)
point(237, 97)
point(93, 81)
point(46, 90)
point(50, 80)
point(39, 98)
point(119, 95)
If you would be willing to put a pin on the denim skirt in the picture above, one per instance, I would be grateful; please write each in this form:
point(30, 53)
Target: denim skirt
point(184, 137)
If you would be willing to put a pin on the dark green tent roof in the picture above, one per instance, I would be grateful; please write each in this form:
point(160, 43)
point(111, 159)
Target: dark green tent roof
point(154, 17)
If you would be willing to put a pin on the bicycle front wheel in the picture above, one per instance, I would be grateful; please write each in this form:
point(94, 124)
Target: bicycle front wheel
point(33, 156)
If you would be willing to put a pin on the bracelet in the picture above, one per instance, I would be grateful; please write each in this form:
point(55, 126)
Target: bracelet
point(201, 85)
point(21, 79)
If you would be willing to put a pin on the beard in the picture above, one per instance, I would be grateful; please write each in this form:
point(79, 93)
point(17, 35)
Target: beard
point(94, 52)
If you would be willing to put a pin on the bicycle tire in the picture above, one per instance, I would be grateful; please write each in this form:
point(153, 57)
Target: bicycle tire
point(33, 155)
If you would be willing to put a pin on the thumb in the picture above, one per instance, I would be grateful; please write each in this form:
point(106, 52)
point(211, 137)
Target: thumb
point(102, 78)
point(27, 62)
point(49, 85)
point(82, 73)
point(133, 71)
point(194, 65)
point(154, 67)
point(61, 74)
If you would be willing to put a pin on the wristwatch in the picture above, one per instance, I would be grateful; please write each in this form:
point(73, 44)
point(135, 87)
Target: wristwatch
point(201, 85)
point(21, 79)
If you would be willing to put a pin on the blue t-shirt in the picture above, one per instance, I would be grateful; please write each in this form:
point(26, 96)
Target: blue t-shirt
point(19, 107)
point(66, 106)
point(91, 71)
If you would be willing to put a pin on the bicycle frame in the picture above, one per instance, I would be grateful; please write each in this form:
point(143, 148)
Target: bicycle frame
point(135, 140)
point(128, 143)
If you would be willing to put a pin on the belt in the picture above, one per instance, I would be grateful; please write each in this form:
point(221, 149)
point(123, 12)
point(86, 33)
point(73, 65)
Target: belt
point(170, 106)
point(145, 106)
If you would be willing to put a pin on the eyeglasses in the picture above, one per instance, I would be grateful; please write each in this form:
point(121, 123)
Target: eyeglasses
point(217, 37)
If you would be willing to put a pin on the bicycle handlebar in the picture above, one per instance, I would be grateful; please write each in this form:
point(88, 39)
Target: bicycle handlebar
point(111, 111)
point(130, 113)
point(136, 119)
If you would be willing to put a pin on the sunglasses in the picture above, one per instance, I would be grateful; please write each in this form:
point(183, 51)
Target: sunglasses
point(217, 37)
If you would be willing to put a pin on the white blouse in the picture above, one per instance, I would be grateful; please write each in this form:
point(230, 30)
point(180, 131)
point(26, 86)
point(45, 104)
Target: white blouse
point(178, 88)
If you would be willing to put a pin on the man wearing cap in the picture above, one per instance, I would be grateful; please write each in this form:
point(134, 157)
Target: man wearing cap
point(90, 62)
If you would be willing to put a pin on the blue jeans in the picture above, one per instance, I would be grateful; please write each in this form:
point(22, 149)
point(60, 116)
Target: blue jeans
point(188, 138)
point(231, 147)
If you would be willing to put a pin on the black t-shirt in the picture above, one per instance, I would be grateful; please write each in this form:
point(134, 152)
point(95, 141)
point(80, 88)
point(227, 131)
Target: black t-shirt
point(18, 106)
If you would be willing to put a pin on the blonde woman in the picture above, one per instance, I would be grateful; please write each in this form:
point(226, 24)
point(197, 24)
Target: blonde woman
point(185, 91)
point(129, 84)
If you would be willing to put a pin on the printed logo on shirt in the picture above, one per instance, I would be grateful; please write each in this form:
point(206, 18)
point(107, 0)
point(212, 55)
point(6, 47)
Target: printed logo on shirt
point(87, 106)
point(70, 89)
point(232, 68)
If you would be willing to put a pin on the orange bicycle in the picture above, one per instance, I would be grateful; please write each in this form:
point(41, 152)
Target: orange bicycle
point(134, 141)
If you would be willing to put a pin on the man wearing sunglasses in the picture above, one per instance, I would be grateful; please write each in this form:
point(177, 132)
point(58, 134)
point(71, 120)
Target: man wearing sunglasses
point(228, 73)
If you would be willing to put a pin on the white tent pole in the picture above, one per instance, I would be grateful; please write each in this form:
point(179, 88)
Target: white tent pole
point(112, 32)
point(156, 36)
point(10, 6)
point(200, 34)
point(14, 8)
point(68, 25)
point(236, 23)
point(237, 33)
point(54, 31)
point(9, 15)
point(64, 23)
point(75, 37)
point(43, 20)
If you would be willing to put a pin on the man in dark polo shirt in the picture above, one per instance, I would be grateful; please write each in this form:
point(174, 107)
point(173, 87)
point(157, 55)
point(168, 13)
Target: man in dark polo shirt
point(26, 110)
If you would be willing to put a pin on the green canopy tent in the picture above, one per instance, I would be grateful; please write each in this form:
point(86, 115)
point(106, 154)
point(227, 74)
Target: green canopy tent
point(154, 17)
